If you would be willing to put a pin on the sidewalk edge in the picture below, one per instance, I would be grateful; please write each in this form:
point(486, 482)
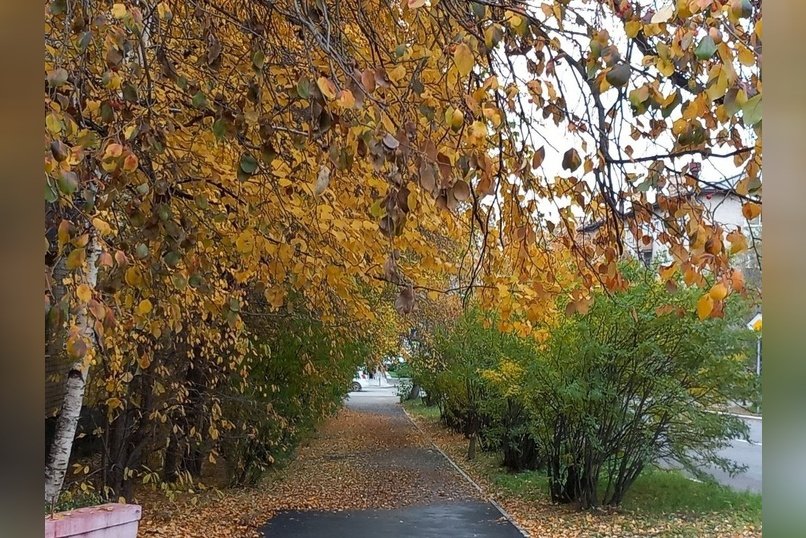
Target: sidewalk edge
point(467, 477)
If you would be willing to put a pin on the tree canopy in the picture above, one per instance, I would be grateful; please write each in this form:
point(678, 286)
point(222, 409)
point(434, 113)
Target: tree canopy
point(213, 160)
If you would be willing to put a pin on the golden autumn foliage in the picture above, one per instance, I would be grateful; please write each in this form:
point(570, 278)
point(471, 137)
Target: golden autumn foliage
point(234, 158)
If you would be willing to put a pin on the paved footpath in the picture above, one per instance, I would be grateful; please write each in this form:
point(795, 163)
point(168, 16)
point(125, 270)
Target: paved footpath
point(406, 487)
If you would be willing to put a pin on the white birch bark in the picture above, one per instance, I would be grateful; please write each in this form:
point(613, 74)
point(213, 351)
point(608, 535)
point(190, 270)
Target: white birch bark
point(59, 458)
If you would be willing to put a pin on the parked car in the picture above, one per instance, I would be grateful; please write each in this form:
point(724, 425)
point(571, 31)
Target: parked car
point(360, 381)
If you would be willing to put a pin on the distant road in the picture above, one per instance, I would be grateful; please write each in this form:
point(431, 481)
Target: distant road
point(744, 453)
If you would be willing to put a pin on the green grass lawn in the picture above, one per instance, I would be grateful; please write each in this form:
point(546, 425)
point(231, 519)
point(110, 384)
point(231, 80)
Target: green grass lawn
point(417, 407)
point(656, 493)
point(659, 492)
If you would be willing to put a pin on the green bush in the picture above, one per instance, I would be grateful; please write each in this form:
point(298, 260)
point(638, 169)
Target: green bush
point(634, 381)
point(454, 375)
point(76, 498)
point(298, 375)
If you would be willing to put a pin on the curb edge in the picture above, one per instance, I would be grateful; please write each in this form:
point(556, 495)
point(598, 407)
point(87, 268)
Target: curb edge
point(467, 477)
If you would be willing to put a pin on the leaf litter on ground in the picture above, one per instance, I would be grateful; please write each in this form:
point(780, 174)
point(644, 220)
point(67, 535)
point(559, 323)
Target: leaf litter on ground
point(357, 460)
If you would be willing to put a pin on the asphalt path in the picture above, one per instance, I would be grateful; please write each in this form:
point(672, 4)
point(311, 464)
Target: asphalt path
point(461, 514)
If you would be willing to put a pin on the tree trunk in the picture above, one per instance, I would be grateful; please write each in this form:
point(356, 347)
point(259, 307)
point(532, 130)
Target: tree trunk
point(59, 457)
point(54, 331)
point(471, 448)
point(415, 392)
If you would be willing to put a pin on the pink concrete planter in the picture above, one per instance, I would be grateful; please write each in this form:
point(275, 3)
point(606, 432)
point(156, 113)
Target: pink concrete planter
point(102, 521)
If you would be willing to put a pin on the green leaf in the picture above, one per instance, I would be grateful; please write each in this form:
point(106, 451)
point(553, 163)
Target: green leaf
point(84, 42)
point(267, 152)
point(304, 88)
point(141, 250)
point(200, 100)
point(619, 75)
point(751, 110)
point(220, 128)
point(129, 93)
point(172, 258)
point(705, 48)
point(731, 106)
point(248, 164)
point(376, 210)
point(51, 192)
point(107, 112)
point(180, 282)
point(257, 59)
point(58, 7)
point(667, 110)
point(163, 212)
point(427, 112)
point(67, 182)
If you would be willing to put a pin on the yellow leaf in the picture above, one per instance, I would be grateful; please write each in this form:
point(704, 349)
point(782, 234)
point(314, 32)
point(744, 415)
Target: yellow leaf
point(144, 361)
point(113, 151)
point(110, 165)
point(84, 293)
point(514, 20)
point(414, 4)
point(478, 130)
point(397, 73)
point(345, 99)
point(275, 297)
point(53, 123)
point(164, 11)
point(76, 258)
point(746, 57)
point(133, 276)
point(493, 115)
point(493, 35)
point(632, 28)
point(738, 242)
point(667, 272)
point(102, 226)
point(245, 242)
point(118, 11)
point(704, 306)
point(463, 58)
point(454, 118)
point(327, 87)
point(718, 292)
point(144, 307)
point(751, 210)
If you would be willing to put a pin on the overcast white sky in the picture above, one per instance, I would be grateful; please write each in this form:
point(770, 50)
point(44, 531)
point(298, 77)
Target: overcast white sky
point(556, 138)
